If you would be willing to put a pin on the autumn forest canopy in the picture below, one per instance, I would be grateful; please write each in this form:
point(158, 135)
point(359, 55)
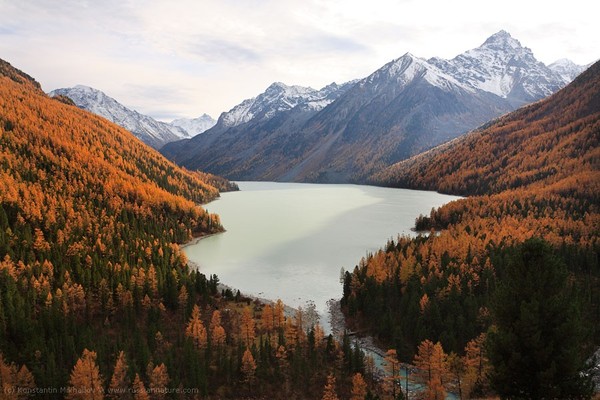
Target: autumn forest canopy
point(500, 295)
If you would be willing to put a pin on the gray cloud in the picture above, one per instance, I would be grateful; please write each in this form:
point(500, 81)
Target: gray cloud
point(215, 50)
point(187, 57)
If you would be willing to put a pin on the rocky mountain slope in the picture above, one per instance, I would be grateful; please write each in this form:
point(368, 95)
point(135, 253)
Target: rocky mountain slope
point(150, 131)
point(344, 134)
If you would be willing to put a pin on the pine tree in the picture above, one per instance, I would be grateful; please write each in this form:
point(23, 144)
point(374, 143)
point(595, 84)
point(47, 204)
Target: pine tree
point(86, 381)
point(534, 345)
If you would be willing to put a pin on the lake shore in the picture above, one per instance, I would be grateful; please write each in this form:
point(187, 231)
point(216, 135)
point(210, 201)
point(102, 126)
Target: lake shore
point(198, 239)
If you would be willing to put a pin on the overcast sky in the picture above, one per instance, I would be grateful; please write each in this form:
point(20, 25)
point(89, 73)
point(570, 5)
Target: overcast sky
point(183, 58)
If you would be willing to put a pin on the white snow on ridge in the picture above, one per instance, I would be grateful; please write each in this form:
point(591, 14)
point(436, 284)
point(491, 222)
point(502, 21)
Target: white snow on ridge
point(195, 126)
point(408, 68)
point(153, 132)
point(503, 67)
point(567, 69)
point(279, 97)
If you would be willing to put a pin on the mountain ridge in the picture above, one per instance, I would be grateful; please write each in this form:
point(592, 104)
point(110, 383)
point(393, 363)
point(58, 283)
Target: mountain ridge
point(147, 129)
point(508, 140)
point(405, 107)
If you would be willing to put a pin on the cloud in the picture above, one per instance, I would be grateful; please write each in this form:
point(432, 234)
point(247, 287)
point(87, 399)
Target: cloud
point(215, 50)
point(207, 56)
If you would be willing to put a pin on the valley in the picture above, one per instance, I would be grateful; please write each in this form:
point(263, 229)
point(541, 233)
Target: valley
point(447, 209)
point(291, 240)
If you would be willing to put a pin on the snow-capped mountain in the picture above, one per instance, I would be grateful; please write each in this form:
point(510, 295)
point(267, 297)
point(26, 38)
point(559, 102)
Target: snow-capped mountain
point(277, 98)
point(150, 131)
point(407, 68)
point(195, 126)
point(567, 69)
point(407, 106)
point(503, 67)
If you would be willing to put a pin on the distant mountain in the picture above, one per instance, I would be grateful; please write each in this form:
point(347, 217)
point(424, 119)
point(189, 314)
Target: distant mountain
point(346, 133)
point(567, 69)
point(551, 145)
point(251, 135)
point(503, 67)
point(195, 126)
point(150, 131)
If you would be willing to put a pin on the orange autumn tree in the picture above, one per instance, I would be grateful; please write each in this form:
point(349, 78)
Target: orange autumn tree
point(248, 366)
point(477, 366)
point(119, 383)
point(86, 381)
point(392, 371)
point(432, 370)
point(247, 327)
point(359, 387)
point(329, 392)
point(139, 390)
point(14, 382)
point(195, 329)
point(159, 379)
point(217, 332)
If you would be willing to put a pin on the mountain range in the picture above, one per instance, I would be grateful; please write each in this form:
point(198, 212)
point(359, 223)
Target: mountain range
point(147, 129)
point(345, 133)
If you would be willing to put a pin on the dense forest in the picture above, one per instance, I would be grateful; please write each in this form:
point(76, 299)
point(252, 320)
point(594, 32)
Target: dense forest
point(523, 246)
point(96, 297)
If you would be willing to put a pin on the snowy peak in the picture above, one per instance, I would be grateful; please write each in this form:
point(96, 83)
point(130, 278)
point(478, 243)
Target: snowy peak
point(567, 69)
point(409, 68)
point(502, 66)
point(502, 40)
point(279, 97)
point(147, 129)
point(195, 126)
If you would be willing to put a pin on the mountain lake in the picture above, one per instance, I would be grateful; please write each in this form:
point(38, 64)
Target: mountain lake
point(289, 241)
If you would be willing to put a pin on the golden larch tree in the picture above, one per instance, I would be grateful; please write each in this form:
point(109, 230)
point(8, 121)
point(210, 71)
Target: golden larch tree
point(432, 370)
point(278, 314)
point(217, 332)
point(86, 381)
point(248, 366)
point(392, 371)
point(477, 366)
point(359, 387)
point(14, 383)
point(247, 327)
point(159, 379)
point(119, 383)
point(268, 318)
point(195, 329)
point(329, 392)
point(139, 390)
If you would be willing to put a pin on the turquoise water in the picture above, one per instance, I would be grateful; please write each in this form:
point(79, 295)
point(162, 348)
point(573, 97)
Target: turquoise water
point(290, 240)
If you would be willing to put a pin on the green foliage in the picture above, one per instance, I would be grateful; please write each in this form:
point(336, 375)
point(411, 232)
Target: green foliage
point(534, 345)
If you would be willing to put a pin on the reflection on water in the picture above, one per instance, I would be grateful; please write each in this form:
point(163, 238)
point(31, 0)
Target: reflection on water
point(290, 240)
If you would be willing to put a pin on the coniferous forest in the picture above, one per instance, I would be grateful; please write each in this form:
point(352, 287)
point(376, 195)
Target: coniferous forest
point(507, 282)
point(500, 296)
point(97, 299)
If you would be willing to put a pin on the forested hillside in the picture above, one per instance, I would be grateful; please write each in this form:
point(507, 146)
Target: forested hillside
point(96, 298)
point(534, 173)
